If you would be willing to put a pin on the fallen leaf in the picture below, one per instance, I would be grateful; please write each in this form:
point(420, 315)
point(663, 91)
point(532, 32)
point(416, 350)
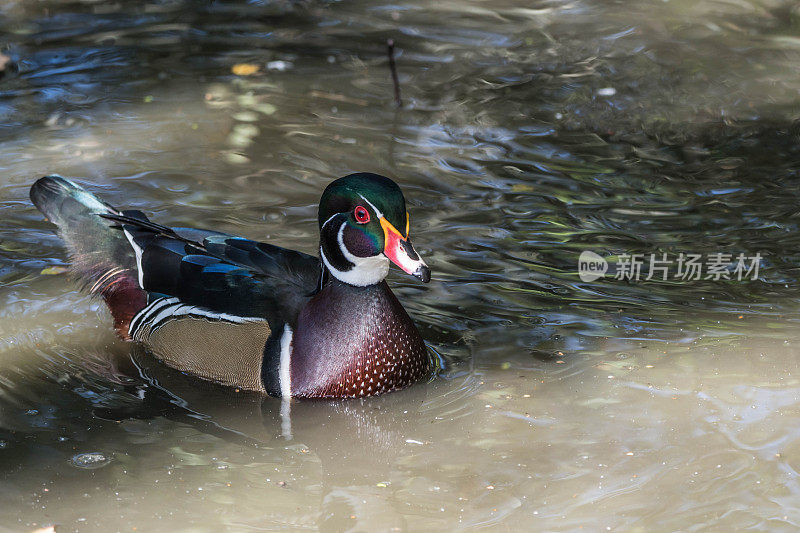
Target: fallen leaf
point(244, 69)
point(53, 271)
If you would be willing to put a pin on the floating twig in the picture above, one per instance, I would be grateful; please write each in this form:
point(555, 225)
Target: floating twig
point(393, 67)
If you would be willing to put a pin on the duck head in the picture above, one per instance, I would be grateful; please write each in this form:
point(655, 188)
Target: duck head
point(363, 225)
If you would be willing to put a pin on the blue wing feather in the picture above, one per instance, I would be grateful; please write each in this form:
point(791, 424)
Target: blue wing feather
point(221, 272)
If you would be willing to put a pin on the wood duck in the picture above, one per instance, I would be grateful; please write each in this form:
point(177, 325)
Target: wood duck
point(249, 314)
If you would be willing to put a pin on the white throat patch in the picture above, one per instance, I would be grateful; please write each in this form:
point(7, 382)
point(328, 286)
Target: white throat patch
point(367, 270)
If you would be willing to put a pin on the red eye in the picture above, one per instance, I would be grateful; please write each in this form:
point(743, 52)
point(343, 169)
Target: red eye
point(361, 214)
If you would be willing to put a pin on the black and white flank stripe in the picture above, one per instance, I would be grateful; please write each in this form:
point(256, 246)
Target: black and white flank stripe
point(163, 310)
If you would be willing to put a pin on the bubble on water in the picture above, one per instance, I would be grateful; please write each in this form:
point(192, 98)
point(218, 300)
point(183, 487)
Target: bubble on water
point(90, 460)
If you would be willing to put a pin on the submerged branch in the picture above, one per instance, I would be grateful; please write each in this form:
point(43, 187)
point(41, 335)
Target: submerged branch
point(393, 67)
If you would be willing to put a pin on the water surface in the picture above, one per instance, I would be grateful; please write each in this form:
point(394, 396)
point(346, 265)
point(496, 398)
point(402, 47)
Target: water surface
point(529, 132)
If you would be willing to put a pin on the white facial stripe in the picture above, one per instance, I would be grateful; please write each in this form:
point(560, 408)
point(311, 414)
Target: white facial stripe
point(325, 260)
point(329, 219)
point(370, 270)
point(377, 211)
point(365, 271)
point(345, 252)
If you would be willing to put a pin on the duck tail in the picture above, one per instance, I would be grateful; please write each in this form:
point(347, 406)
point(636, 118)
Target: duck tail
point(101, 255)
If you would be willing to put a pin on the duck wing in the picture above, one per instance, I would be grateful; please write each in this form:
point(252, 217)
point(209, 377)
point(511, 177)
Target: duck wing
point(219, 272)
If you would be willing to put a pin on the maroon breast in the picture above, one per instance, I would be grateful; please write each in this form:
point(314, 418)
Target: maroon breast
point(352, 342)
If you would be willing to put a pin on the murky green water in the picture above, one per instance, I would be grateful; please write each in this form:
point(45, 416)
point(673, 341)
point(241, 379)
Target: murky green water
point(530, 132)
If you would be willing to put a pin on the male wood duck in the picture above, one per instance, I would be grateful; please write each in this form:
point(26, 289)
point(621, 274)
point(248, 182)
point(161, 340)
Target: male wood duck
point(249, 314)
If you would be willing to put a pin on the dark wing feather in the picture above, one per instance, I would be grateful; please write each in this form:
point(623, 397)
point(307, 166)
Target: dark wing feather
point(295, 267)
point(221, 272)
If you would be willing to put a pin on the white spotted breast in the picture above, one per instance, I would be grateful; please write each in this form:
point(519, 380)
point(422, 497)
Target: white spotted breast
point(355, 342)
